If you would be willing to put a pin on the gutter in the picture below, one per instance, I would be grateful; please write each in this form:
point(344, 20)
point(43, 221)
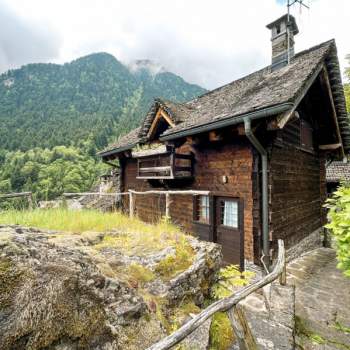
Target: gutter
point(262, 113)
point(232, 120)
point(265, 206)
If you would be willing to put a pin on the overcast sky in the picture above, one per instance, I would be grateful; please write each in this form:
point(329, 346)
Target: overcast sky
point(208, 42)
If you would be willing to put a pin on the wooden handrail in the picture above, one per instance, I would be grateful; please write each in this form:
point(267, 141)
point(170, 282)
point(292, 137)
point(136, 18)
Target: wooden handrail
point(73, 194)
point(223, 304)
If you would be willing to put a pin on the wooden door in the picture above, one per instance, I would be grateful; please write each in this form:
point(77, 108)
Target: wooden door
point(229, 229)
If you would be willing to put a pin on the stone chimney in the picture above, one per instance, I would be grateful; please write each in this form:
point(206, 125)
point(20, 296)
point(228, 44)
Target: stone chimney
point(279, 39)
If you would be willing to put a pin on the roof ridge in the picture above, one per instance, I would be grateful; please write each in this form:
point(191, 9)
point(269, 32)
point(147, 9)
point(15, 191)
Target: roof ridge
point(315, 47)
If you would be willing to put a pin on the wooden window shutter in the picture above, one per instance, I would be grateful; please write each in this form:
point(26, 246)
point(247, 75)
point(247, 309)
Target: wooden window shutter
point(306, 135)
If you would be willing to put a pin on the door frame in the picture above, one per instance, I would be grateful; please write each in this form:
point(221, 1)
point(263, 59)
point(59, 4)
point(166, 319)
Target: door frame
point(213, 227)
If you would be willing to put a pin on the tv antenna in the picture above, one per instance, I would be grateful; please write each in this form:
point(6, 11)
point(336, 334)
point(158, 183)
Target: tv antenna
point(290, 3)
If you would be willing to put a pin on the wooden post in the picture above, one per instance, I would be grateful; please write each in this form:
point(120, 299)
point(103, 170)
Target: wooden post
point(283, 275)
point(30, 201)
point(241, 328)
point(167, 206)
point(131, 205)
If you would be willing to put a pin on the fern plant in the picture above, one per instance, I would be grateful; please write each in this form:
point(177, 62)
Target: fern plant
point(229, 278)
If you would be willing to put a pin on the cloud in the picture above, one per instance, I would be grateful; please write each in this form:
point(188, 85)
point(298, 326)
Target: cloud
point(205, 41)
point(22, 41)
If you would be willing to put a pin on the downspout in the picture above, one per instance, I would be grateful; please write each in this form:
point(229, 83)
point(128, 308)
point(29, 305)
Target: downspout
point(265, 206)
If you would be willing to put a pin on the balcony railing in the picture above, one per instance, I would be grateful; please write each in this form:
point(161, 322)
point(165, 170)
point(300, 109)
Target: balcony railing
point(168, 165)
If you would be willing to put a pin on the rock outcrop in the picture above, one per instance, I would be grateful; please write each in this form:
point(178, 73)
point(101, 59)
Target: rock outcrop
point(66, 291)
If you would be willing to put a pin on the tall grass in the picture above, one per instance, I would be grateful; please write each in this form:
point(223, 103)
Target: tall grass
point(134, 236)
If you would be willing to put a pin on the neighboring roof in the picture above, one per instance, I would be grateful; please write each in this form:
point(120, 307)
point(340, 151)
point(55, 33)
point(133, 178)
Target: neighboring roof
point(264, 89)
point(338, 171)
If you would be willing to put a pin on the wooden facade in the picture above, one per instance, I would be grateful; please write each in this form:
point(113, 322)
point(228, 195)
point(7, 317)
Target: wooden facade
point(205, 145)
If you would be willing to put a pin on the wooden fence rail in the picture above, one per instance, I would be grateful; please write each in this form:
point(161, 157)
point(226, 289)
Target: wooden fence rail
point(230, 305)
point(167, 197)
point(29, 195)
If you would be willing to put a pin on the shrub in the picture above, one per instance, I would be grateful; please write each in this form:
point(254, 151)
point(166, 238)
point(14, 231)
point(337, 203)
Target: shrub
point(339, 225)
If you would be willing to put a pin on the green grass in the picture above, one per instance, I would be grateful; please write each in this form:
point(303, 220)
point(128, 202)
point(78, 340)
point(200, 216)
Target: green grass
point(79, 221)
point(133, 236)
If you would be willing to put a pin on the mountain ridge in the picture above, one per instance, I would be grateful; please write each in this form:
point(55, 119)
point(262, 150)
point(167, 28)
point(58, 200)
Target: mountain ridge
point(80, 99)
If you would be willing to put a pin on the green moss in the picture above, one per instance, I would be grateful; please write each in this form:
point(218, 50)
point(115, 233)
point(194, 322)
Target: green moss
point(140, 274)
point(176, 263)
point(182, 312)
point(340, 327)
point(221, 333)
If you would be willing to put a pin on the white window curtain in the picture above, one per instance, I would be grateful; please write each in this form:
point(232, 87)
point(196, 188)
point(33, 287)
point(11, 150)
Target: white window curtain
point(231, 214)
point(204, 208)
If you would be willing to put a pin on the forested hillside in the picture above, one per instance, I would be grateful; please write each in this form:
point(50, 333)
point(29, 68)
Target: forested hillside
point(82, 106)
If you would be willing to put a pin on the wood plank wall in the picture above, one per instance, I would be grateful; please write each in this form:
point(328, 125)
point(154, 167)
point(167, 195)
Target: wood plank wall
point(297, 193)
point(212, 162)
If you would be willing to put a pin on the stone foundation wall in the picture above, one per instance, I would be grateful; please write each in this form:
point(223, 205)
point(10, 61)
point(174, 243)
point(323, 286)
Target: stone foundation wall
point(312, 241)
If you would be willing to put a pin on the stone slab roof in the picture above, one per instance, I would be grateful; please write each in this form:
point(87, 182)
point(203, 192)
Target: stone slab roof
point(338, 171)
point(257, 91)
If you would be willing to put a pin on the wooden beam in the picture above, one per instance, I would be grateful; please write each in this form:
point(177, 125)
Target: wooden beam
point(325, 79)
point(284, 118)
point(181, 192)
point(241, 329)
point(240, 129)
point(330, 147)
point(215, 136)
point(160, 114)
point(154, 169)
point(193, 140)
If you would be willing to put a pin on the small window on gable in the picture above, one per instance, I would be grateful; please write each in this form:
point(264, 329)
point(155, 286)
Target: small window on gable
point(202, 209)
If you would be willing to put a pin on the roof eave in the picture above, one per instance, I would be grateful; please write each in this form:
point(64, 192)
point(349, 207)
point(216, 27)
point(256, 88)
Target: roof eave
point(117, 150)
point(232, 120)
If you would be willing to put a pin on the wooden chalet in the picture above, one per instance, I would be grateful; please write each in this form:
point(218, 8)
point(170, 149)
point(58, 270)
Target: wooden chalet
point(258, 145)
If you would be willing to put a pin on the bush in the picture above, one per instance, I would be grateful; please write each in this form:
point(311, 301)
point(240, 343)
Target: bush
point(339, 225)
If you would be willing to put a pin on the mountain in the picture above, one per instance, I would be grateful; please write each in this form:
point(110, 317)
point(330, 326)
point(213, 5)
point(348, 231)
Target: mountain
point(95, 97)
point(53, 119)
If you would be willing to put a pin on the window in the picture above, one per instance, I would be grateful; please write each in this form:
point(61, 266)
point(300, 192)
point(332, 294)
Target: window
point(203, 207)
point(229, 213)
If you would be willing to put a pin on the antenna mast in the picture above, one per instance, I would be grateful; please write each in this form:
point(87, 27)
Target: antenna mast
point(290, 3)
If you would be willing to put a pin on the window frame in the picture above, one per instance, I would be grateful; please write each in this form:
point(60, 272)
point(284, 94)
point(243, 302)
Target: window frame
point(222, 213)
point(197, 210)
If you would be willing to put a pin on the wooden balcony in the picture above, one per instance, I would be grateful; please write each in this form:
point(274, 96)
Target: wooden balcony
point(168, 165)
